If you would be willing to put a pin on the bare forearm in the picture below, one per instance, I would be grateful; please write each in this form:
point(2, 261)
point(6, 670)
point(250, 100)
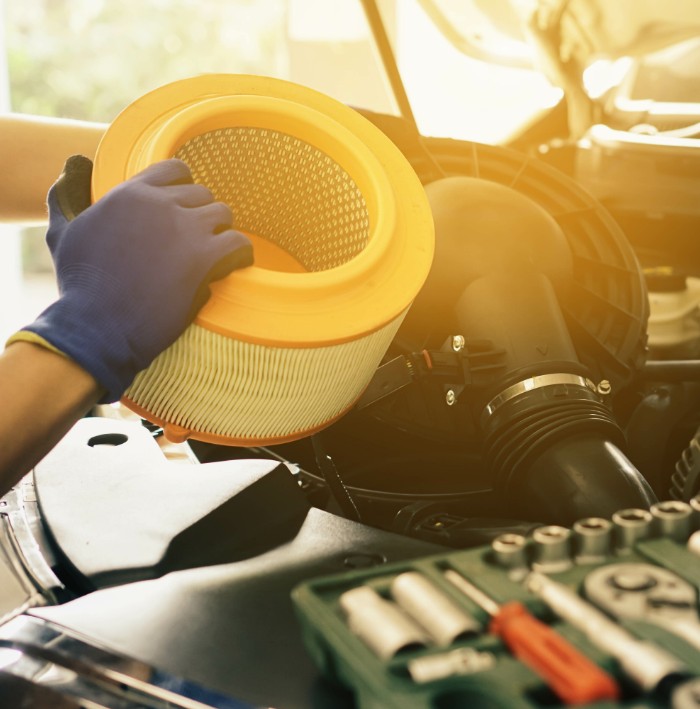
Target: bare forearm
point(43, 395)
point(32, 152)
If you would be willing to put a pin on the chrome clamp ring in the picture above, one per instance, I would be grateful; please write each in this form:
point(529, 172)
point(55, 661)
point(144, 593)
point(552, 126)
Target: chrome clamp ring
point(538, 382)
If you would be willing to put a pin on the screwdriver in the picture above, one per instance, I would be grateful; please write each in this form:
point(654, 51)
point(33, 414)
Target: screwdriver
point(647, 664)
point(571, 675)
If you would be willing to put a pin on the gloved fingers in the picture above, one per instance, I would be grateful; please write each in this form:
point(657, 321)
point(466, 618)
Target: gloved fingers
point(57, 220)
point(216, 217)
point(191, 195)
point(230, 250)
point(240, 255)
point(71, 193)
point(201, 296)
point(165, 172)
point(68, 197)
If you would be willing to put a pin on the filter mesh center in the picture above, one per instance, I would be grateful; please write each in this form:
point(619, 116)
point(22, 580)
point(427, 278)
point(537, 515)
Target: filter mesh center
point(284, 190)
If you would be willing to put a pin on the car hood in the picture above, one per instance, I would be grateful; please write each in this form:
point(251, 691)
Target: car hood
point(592, 29)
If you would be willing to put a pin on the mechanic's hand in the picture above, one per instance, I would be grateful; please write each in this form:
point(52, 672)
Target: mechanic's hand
point(133, 269)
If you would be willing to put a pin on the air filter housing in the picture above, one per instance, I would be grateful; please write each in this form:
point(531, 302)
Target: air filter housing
point(343, 241)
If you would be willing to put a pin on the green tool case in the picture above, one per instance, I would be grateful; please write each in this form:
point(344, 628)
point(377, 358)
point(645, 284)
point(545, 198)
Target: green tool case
point(481, 670)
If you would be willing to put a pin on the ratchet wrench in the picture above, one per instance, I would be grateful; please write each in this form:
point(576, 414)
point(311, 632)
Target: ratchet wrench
point(649, 593)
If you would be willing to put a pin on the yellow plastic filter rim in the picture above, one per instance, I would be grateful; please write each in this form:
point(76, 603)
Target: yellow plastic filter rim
point(274, 308)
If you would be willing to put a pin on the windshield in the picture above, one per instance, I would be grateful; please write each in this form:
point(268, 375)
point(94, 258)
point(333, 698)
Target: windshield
point(87, 59)
point(452, 93)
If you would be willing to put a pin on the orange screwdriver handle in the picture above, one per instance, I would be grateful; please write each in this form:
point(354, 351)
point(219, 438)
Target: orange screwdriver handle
point(569, 673)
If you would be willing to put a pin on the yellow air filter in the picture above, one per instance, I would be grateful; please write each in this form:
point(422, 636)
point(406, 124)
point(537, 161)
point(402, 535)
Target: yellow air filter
point(343, 240)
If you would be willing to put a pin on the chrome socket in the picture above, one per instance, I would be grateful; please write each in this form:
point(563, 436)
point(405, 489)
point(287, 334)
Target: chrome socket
point(551, 546)
point(631, 526)
point(509, 551)
point(695, 506)
point(593, 539)
point(694, 543)
point(441, 618)
point(462, 661)
point(379, 623)
point(673, 519)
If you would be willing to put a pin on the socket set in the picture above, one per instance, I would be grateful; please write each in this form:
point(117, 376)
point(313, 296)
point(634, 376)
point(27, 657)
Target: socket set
point(602, 614)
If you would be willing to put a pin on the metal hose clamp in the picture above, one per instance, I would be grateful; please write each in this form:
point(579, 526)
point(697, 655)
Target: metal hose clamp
point(538, 382)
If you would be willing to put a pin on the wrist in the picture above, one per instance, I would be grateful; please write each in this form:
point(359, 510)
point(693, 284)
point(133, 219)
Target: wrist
point(45, 374)
point(44, 393)
point(73, 328)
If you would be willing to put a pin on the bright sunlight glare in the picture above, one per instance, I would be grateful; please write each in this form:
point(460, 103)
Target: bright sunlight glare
point(453, 95)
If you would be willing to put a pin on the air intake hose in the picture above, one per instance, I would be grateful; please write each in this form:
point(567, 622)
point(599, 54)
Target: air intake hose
point(548, 437)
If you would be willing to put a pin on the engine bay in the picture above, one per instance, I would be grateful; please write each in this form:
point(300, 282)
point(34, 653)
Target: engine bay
point(418, 462)
point(534, 427)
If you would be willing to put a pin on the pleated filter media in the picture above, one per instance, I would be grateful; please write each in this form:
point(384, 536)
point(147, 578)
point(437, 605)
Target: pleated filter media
point(343, 241)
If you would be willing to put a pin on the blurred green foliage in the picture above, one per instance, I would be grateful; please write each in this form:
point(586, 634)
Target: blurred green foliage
point(88, 59)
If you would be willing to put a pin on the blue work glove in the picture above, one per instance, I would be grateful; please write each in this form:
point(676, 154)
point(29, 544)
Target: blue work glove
point(133, 269)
